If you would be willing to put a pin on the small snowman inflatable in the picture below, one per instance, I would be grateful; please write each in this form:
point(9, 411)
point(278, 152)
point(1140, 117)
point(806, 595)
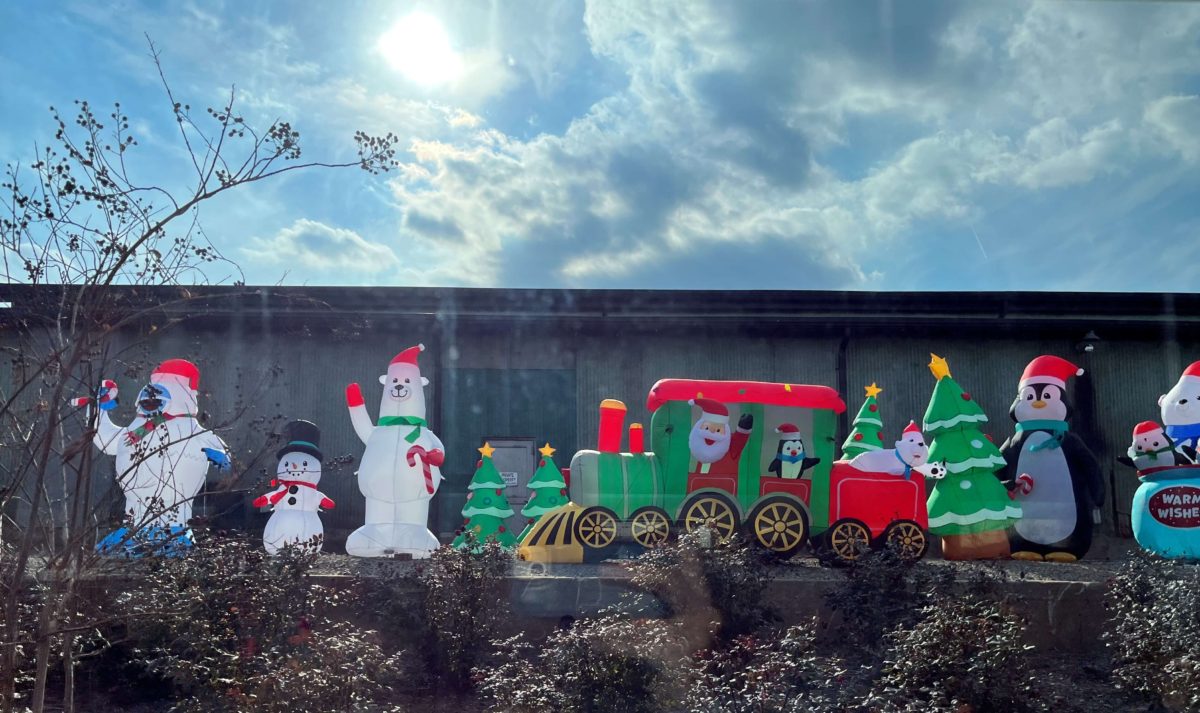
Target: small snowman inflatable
point(162, 459)
point(296, 501)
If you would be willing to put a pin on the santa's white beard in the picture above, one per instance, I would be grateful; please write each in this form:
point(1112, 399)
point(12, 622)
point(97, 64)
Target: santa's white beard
point(704, 452)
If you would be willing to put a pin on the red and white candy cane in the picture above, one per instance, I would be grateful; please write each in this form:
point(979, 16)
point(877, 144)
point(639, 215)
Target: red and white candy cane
point(107, 392)
point(428, 458)
point(1024, 484)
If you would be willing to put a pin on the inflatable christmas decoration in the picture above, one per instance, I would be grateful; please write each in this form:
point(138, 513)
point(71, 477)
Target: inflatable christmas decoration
point(486, 507)
point(1052, 474)
point(162, 459)
point(549, 490)
point(1166, 511)
point(1165, 516)
point(866, 433)
point(400, 469)
point(647, 496)
point(969, 508)
point(1153, 448)
point(296, 501)
point(714, 446)
point(791, 459)
point(1181, 409)
point(910, 454)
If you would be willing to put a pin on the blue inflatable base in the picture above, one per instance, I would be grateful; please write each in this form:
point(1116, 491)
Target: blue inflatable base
point(150, 541)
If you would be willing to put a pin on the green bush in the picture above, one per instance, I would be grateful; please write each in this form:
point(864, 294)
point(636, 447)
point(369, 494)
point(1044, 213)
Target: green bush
point(609, 664)
point(1154, 633)
point(234, 629)
point(963, 654)
point(710, 590)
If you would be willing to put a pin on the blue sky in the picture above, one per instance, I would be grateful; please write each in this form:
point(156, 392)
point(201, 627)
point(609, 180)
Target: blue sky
point(727, 145)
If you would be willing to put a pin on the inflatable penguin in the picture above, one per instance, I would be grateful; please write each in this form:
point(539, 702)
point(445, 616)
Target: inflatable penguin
point(1181, 409)
point(790, 460)
point(162, 459)
point(296, 501)
point(1064, 484)
point(910, 454)
point(400, 468)
point(1153, 448)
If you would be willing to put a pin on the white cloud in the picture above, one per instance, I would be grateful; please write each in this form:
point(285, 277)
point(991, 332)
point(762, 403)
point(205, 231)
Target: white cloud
point(318, 248)
point(1176, 120)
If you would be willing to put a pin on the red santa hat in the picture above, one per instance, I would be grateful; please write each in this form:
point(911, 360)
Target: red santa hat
point(713, 411)
point(180, 369)
point(408, 356)
point(1145, 427)
point(1192, 372)
point(1048, 369)
point(787, 431)
point(912, 427)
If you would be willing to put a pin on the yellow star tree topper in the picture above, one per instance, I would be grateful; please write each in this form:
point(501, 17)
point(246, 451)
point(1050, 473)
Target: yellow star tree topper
point(487, 450)
point(546, 450)
point(939, 367)
point(873, 390)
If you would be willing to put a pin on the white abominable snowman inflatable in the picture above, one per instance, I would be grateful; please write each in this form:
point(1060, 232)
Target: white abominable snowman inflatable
point(399, 472)
point(910, 454)
point(162, 459)
point(296, 502)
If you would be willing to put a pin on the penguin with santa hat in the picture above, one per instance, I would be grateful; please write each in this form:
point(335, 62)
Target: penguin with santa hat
point(791, 460)
point(162, 459)
point(1050, 469)
point(1153, 448)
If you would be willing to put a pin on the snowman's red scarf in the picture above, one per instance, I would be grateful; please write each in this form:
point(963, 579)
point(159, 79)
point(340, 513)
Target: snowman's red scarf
point(134, 435)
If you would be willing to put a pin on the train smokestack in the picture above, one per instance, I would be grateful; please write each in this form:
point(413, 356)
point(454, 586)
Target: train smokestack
point(612, 422)
point(637, 440)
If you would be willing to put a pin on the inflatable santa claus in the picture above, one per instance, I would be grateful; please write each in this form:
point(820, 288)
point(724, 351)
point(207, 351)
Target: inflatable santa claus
point(162, 459)
point(714, 445)
point(400, 468)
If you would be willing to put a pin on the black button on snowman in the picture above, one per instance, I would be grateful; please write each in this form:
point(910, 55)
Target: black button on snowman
point(295, 521)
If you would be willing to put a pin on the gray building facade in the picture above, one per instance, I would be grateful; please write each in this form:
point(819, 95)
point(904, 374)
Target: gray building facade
point(514, 364)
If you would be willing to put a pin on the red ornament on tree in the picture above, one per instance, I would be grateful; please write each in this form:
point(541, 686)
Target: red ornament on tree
point(500, 529)
point(966, 396)
point(873, 408)
point(499, 491)
point(858, 436)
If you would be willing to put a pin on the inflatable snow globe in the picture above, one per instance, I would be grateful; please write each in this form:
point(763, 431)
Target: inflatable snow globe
point(1166, 511)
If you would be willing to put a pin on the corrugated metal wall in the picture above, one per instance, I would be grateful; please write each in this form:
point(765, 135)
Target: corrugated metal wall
point(519, 377)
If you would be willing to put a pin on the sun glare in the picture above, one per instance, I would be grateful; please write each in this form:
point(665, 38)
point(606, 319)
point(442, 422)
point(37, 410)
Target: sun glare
point(418, 47)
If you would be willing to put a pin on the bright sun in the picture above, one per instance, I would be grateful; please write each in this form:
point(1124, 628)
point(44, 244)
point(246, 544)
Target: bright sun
point(418, 47)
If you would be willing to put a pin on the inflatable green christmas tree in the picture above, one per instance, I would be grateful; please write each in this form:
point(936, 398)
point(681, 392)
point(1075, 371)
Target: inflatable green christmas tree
point(549, 490)
point(867, 432)
point(486, 505)
point(969, 508)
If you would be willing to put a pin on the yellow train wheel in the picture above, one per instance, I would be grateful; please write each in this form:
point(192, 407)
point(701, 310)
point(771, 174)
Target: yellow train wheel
point(907, 539)
point(779, 524)
point(849, 540)
point(650, 527)
point(712, 511)
point(596, 527)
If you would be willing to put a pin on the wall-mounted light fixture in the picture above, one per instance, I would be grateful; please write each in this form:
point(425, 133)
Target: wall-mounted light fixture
point(1089, 343)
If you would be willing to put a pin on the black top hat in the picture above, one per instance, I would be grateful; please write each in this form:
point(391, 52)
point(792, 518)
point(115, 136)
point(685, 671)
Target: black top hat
point(301, 437)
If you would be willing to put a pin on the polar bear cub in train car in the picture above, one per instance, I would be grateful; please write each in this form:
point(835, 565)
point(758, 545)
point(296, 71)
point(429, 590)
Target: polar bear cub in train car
point(911, 453)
